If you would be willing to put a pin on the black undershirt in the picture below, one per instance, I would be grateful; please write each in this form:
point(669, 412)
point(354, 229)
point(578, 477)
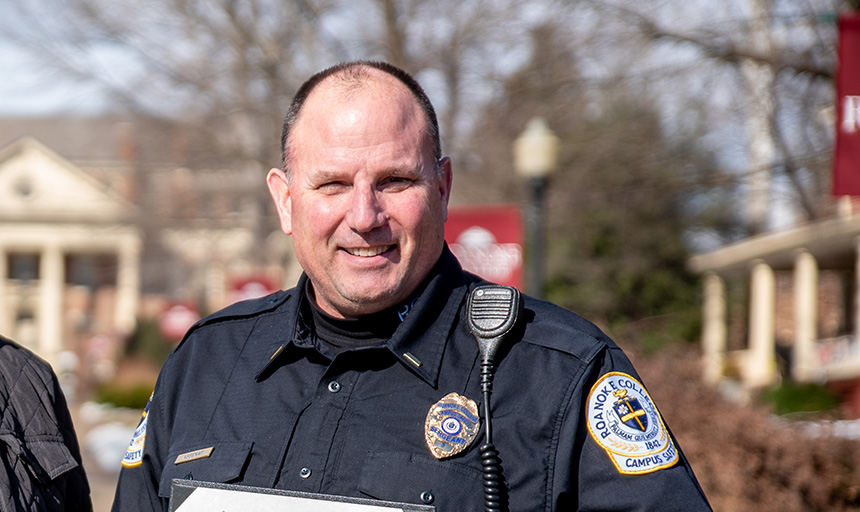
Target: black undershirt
point(342, 334)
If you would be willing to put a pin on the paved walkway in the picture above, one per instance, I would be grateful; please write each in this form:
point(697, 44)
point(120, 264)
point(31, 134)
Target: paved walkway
point(104, 434)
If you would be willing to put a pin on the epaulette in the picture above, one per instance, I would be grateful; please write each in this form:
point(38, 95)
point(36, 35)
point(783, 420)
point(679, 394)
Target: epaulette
point(243, 309)
point(557, 328)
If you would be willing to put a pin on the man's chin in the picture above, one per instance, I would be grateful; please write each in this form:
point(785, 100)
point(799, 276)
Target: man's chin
point(368, 306)
point(361, 304)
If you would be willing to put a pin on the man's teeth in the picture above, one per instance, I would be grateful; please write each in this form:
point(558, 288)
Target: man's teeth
point(366, 252)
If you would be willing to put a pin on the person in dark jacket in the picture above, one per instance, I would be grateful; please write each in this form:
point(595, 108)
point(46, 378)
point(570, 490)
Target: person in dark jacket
point(41, 461)
point(364, 381)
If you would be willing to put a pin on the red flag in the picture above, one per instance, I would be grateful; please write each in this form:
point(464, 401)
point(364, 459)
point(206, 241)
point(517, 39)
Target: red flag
point(846, 160)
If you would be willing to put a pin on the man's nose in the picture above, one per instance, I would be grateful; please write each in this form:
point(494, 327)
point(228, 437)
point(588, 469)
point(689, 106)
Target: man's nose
point(366, 212)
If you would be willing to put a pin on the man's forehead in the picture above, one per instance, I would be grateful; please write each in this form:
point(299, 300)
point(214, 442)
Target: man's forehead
point(376, 86)
point(375, 102)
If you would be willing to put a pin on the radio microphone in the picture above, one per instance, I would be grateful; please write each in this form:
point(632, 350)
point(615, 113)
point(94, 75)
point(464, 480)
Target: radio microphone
point(492, 312)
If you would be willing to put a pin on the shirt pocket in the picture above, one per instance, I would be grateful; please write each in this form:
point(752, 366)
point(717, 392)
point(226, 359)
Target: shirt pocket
point(412, 478)
point(218, 461)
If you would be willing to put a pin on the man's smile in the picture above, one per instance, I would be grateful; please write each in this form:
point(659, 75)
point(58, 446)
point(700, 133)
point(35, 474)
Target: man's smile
point(367, 252)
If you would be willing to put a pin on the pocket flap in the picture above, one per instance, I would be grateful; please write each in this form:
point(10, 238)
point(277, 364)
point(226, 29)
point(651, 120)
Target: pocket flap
point(47, 456)
point(412, 478)
point(217, 461)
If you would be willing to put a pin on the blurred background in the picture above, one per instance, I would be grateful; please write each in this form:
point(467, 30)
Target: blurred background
point(696, 200)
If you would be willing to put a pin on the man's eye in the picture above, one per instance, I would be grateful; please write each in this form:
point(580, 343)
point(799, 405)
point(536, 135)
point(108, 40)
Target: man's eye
point(332, 187)
point(397, 182)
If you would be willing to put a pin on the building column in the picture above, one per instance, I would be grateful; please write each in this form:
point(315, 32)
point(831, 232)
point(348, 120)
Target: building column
point(713, 328)
point(127, 285)
point(856, 311)
point(5, 321)
point(214, 288)
point(50, 318)
point(805, 316)
point(760, 367)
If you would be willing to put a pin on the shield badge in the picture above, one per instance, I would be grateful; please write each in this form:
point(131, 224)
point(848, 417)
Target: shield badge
point(451, 425)
point(630, 411)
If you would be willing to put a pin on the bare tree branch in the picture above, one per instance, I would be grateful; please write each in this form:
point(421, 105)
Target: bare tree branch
point(720, 48)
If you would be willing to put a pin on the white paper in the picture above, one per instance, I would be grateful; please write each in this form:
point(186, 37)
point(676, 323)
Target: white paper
point(205, 499)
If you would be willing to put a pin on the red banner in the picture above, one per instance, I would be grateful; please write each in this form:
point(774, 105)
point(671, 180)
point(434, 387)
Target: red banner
point(846, 160)
point(177, 318)
point(250, 288)
point(488, 241)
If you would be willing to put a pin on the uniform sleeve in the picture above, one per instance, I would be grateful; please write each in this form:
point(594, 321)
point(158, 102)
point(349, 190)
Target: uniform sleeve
point(138, 485)
point(616, 452)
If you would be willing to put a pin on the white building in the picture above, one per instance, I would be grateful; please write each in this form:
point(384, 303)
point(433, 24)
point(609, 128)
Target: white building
point(69, 252)
point(103, 222)
point(802, 298)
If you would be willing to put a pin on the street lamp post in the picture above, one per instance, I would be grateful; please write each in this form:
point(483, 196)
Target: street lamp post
point(535, 157)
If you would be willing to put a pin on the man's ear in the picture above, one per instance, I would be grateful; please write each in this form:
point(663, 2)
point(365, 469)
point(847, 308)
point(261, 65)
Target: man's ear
point(446, 177)
point(279, 188)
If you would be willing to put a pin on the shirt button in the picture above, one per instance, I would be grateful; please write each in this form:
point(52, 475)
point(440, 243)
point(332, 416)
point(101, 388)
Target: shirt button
point(334, 386)
point(427, 497)
point(305, 472)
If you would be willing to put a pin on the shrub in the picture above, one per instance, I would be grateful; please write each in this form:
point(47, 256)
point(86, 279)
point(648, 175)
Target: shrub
point(791, 397)
point(131, 396)
point(744, 459)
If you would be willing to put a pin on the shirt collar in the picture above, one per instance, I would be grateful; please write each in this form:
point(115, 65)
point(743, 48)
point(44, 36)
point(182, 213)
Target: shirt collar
point(419, 342)
point(295, 333)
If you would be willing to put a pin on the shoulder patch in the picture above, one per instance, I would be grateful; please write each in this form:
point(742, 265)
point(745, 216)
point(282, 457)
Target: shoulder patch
point(134, 453)
point(623, 420)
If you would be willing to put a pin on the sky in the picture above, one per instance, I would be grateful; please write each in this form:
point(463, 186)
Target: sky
point(27, 90)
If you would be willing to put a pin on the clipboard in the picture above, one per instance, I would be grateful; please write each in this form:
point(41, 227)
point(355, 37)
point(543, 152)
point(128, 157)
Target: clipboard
point(198, 496)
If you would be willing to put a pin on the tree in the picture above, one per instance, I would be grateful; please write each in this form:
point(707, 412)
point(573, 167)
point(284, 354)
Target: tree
point(773, 63)
point(228, 68)
point(217, 75)
point(623, 199)
point(604, 74)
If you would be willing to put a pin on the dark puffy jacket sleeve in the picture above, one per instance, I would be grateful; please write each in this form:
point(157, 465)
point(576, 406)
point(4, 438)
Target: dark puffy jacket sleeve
point(41, 460)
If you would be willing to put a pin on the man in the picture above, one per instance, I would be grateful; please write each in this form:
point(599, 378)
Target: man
point(344, 385)
point(40, 462)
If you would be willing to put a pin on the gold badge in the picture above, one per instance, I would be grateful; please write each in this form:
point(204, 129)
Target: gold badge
point(451, 426)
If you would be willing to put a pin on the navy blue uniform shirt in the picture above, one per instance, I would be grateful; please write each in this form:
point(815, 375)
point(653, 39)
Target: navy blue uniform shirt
point(253, 389)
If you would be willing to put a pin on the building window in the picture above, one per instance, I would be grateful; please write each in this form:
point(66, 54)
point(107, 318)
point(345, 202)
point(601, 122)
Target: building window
point(23, 266)
point(24, 187)
point(91, 270)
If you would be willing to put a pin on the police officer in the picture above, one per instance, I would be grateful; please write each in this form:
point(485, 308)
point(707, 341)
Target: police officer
point(363, 380)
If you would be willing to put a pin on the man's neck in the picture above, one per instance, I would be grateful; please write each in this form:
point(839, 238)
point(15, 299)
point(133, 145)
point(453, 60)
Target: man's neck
point(342, 334)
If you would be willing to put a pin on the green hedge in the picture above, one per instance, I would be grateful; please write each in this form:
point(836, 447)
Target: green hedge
point(791, 397)
point(132, 397)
